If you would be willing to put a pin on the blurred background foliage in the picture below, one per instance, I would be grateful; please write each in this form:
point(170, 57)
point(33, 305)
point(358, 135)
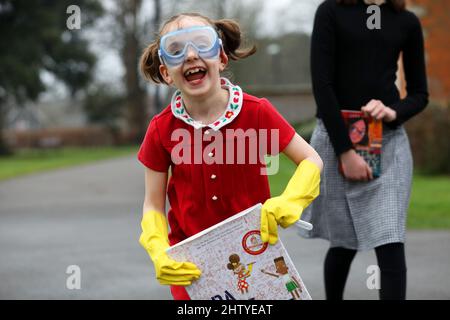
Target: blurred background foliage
point(57, 85)
point(429, 136)
point(35, 40)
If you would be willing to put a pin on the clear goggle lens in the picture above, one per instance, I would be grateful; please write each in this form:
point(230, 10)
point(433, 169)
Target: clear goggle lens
point(204, 40)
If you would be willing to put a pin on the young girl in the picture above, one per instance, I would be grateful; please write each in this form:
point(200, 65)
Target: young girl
point(209, 114)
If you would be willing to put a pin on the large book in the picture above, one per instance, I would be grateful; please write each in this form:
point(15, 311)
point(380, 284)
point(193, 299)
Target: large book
point(237, 265)
point(366, 134)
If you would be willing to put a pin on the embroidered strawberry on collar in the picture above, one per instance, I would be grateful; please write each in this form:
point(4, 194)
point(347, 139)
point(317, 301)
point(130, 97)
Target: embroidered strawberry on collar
point(233, 108)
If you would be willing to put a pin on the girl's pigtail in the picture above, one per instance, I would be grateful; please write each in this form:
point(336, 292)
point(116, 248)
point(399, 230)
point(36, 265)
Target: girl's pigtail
point(230, 33)
point(150, 63)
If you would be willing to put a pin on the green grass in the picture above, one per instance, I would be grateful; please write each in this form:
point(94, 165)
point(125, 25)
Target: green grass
point(279, 181)
point(430, 197)
point(32, 161)
point(430, 203)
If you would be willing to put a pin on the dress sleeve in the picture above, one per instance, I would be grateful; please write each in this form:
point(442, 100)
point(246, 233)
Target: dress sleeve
point(323, 43)
point(415, 76)
point(269, 119)
point(152, 154)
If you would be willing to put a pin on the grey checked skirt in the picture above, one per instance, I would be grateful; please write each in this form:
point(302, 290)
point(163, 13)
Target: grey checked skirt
point(362, 215)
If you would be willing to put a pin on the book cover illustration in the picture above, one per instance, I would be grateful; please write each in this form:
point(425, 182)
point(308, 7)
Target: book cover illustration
point(237, 265)
point(366, 134)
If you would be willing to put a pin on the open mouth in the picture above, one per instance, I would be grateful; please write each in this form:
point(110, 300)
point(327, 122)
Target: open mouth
point(194, 74)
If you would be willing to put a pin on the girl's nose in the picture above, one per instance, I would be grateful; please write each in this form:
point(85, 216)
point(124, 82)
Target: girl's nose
point(191, 53)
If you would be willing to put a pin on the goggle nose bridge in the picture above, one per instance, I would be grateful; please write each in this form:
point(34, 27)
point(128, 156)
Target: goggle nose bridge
point(186, 49)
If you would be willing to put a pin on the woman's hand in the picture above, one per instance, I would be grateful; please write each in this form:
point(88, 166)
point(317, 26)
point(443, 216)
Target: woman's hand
point(379, 111)
point(354, 167)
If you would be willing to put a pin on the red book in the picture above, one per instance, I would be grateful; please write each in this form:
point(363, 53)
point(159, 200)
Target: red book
point(366, 134)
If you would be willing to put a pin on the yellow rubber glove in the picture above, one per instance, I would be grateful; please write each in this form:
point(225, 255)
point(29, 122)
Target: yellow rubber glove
point(154, 239)
point(287, 208)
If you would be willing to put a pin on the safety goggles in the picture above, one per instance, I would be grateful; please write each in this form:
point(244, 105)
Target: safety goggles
point(174, 45)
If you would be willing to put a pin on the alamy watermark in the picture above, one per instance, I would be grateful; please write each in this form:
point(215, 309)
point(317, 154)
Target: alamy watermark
point(73, 22)
point(73, 281)
point(374, 21)
point(373, 281)
point(234, 146)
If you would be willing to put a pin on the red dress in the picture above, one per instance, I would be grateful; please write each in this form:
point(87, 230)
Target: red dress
point(224, 182)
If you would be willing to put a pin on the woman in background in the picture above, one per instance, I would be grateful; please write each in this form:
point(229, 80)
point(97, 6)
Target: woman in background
point(354, 67)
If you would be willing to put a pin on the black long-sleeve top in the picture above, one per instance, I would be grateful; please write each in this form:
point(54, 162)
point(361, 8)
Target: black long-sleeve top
point(351, 64)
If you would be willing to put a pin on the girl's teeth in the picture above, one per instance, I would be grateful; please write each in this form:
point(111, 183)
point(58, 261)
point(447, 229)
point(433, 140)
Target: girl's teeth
point(192, 71)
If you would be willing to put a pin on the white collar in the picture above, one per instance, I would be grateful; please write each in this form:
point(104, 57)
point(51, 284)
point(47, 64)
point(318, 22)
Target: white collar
point(233, 108)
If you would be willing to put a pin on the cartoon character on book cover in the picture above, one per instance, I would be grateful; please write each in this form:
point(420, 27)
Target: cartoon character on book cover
point(291, 283)
point(243, 272)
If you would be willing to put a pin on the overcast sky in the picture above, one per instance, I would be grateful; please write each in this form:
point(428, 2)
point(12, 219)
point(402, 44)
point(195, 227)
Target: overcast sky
point(297, 15)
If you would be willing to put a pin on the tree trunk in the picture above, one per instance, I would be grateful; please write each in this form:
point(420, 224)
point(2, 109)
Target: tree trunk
point(156, 22)
point(136, 94)
point(4, 148)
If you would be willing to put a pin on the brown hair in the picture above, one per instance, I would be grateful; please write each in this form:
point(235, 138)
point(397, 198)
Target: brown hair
point(227, 29)
point(234, 258)
point(398, 5)
point(279, 259)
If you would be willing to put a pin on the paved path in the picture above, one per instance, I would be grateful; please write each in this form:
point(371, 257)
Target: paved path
point(89, 216)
